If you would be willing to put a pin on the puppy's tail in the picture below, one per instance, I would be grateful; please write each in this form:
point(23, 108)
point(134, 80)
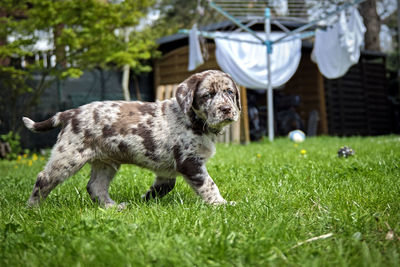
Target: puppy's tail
point(42, 126)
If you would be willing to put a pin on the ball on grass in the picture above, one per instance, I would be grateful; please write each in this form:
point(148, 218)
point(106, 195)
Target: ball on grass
point(345, 152)
point(297, 136)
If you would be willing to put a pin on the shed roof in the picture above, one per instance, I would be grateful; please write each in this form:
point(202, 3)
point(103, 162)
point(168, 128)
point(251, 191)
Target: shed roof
point(171, 42)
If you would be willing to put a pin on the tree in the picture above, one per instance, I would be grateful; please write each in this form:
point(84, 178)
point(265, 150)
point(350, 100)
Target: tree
point(182, 14)
point(372, 23)
point(85, 35)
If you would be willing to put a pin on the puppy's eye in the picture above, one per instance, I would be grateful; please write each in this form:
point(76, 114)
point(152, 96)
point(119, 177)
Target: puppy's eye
point(208, 95)
point(230, 92)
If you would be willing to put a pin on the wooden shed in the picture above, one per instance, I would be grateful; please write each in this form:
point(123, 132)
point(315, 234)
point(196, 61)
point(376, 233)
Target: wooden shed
point(355, 104)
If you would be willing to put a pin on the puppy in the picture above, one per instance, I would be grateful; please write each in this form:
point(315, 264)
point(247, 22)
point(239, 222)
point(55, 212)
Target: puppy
point(171, 137)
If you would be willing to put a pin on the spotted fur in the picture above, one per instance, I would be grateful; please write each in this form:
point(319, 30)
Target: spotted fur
point(171, 137)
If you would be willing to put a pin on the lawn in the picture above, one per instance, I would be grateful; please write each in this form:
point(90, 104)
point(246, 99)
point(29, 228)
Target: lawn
point(286, 195)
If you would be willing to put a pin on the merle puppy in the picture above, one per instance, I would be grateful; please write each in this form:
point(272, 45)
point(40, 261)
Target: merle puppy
point(171, 137)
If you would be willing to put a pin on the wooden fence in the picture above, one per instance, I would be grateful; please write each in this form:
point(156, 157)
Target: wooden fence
point(357, 103)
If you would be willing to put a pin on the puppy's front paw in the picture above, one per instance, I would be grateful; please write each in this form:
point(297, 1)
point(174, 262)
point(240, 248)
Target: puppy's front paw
point(119, 207)
point(31, 203)
point(224, 202)
point(122, 206)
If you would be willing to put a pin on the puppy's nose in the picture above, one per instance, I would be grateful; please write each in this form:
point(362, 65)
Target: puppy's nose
point(225, 109)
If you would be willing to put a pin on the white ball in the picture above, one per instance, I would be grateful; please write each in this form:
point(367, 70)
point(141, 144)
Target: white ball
point(297, 136)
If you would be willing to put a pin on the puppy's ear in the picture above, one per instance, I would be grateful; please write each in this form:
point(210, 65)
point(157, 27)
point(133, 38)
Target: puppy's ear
point(237, 95)
point(185, 92)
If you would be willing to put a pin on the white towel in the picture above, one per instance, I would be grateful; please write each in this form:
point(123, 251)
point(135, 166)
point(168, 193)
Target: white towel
point(247, 62)
point(195, 56)
point(338, 48)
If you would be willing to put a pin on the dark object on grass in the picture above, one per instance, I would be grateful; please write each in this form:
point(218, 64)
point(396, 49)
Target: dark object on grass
point(345, 152)
point(5, 148)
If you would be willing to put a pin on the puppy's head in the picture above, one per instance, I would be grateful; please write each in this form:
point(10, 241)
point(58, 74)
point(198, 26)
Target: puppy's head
point(213, 96)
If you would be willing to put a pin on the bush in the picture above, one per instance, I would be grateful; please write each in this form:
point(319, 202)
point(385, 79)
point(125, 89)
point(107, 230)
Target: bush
point(14, 145)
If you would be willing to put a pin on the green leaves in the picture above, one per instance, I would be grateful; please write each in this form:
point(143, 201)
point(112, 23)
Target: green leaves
point(82, 35)
point(14, 81)
point(72, 73)
point(13, 140)
point(90, 30)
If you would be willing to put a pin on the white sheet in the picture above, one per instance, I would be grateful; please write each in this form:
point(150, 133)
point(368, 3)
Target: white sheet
point(247, 62)
point(195, 56)
point(338, 48)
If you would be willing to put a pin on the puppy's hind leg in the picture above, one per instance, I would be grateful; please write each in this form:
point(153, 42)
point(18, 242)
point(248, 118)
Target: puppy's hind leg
point(59, 167)
point(160, 188)
point(97, 187)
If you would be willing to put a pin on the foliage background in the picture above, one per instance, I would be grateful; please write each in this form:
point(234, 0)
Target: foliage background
point(93, 32)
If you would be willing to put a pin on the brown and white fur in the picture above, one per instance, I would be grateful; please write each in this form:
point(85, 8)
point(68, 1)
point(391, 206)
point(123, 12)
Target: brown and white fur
point(171, 137)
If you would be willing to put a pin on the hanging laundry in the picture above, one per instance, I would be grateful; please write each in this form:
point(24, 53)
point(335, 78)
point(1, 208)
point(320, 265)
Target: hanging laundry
point(280, 7)
point(247, 62)
point(337, 48)
point(195, 56)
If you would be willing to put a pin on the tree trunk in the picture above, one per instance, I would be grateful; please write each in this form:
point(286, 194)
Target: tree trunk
point(125, 73)
point(125, 83)
point(372, 23)
point(59, 49)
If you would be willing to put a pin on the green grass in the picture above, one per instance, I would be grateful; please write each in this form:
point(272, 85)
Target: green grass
point(283, 198)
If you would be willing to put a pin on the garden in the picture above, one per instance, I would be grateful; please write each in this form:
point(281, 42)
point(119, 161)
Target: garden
point(296, 204)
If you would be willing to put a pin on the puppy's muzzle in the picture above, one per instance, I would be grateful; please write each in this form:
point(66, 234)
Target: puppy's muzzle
point(226, 109)
point(229, 114)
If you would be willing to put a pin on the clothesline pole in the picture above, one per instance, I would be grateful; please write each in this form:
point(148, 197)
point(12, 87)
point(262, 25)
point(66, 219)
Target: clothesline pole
point(288, 36)
point(235, 21)
point(269, 94)
point(209, 35)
